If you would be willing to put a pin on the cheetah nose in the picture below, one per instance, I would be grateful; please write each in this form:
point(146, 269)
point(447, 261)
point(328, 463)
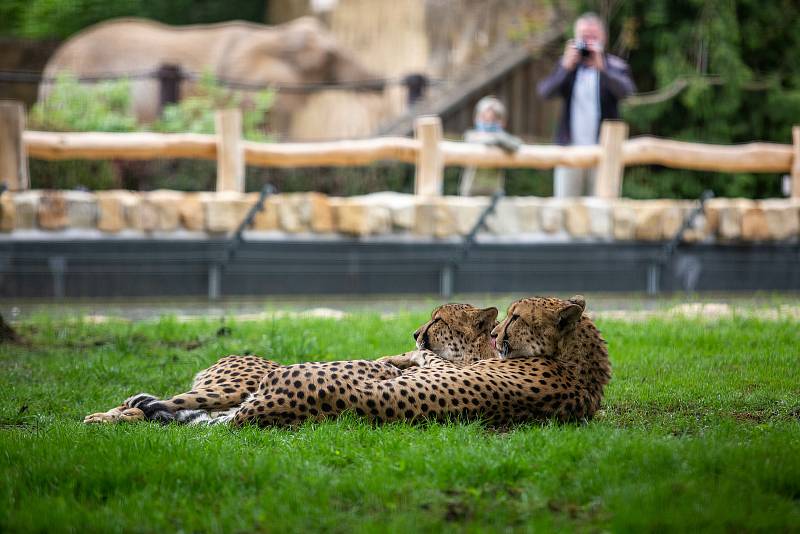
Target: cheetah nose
point(416, 335)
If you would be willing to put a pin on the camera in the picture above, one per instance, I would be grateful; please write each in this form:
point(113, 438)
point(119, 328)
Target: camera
point(583, 48)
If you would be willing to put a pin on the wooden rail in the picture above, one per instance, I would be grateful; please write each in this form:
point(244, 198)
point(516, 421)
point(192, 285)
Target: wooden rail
point(428, 151)
point(751, 157)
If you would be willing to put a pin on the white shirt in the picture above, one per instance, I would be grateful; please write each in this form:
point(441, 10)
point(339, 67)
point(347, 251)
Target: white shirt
point(585, 106)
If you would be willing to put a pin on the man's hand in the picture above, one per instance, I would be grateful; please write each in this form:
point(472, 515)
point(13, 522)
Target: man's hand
point(571, 56)
point(596, 58)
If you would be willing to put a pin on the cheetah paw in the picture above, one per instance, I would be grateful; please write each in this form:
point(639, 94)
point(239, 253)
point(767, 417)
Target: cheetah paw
point(116, 415)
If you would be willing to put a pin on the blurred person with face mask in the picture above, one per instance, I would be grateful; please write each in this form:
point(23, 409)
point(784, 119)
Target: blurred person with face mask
point(489, 129)
point(591, 82)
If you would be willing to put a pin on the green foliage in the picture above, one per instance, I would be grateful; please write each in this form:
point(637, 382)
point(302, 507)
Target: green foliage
point(195, 113)
point(699, 431)
point(740, 58)
point(72, 106)
point(62, 18)
point(107, 107)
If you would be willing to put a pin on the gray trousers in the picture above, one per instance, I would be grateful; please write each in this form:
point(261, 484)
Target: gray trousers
point(571, 182)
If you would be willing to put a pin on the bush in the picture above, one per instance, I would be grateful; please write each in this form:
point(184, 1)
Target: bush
point(195, 113)
point(76, 107)
point(107, 107)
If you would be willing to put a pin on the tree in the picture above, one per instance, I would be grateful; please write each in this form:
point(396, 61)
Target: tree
point(742, 67)
point(62, 18)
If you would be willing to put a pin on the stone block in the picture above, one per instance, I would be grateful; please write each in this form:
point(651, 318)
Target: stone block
point(464, 213)
point(111, 209)
point(649, 219)
point(624, 220)
point(81, 209)
point(402, 207)
point(754, 224)
point(320, 213)
point(301, 212)
point(552, 216)
point(52, 212)
point(166, 205)
point(425, 217)
point(576, 218)
point(191, 211)
point(265, 220)
point(290, 218)
point(140, 214)
point(225, 211)
point(730, 215)
point(503, 221)
point(601, 219)
point(26, 208)
point(782, 217)
point(355, 216)
point(529, 214)
point(8, 212)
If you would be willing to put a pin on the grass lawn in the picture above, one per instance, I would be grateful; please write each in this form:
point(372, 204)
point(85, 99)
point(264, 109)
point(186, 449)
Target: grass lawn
point(700, 430)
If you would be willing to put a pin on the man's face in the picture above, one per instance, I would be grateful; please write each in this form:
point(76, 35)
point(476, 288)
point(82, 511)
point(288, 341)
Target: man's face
point(589, 31)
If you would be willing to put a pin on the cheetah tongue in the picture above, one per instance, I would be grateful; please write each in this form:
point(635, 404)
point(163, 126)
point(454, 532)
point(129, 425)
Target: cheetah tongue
point(494, 343)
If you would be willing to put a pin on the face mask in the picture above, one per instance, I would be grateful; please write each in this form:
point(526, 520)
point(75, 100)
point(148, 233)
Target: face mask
point(488, 126)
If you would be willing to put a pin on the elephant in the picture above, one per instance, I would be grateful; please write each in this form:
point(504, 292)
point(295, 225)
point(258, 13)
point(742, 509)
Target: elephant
point(290, 55)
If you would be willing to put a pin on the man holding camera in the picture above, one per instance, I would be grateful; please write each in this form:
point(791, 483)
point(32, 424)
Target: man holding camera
point(591, 82)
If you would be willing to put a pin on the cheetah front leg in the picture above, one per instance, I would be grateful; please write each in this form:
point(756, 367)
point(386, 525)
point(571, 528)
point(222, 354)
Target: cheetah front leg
point(414, 358)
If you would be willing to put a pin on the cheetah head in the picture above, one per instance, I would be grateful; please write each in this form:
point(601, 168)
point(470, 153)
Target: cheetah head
point(458, 332)
point(535, 326)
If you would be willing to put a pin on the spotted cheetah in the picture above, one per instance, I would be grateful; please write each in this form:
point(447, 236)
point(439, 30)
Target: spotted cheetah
point(458, 333)
point(554, 364)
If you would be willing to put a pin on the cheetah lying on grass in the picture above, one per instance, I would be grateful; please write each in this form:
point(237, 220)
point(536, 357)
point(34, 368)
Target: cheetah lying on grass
point(458, 333)
point(554, 364)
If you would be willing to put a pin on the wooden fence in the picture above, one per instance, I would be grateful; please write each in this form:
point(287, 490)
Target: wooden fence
point(427, 150)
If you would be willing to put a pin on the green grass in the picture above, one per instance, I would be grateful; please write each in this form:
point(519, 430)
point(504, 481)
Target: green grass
point(700, 430)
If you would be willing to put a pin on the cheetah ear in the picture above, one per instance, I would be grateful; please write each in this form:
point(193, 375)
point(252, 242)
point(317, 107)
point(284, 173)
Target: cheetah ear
point(568, 316)
point(579, 300)
point(486, 319)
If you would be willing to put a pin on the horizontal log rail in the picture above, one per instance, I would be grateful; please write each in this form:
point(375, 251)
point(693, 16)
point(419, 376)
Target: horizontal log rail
point(750, 157)
point(431, 153)
point(331, 153)
point(107, 145)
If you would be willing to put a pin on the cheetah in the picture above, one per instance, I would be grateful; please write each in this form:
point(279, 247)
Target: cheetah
point(553, 364)
point(458, 333)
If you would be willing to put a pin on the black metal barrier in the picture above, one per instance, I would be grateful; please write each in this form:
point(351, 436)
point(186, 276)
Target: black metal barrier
point(102, 268)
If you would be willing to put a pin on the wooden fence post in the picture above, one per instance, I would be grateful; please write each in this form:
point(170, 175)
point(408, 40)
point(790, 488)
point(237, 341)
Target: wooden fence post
point(608, 180)
point(230, 152)
point(13, 158)
point(795, 162)
point(429, 177)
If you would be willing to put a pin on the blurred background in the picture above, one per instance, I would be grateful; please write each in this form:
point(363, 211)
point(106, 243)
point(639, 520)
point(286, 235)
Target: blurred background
point(714, 71)
point(720, 72)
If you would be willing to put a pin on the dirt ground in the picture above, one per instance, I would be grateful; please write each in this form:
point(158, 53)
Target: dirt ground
point(634, 307)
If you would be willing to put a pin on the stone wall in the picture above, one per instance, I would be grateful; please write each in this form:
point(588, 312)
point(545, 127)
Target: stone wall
point(163, 213)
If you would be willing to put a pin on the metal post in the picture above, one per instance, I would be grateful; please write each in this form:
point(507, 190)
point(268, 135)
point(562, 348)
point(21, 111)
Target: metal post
point(653, 271)
point(58, 268)
point(448, 272)
point(446, 280)
point(214, 275)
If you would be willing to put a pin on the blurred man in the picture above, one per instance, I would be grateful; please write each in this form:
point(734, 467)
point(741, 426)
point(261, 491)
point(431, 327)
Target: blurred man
point(591, 82)
point(489, 119)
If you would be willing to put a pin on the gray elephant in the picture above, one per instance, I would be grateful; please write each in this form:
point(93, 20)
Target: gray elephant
point(293, 54)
